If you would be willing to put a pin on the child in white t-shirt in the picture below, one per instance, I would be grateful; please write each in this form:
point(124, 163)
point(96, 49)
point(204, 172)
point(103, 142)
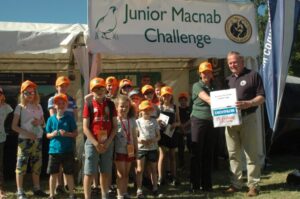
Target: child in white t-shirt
point(148, 136)
point(5, 109)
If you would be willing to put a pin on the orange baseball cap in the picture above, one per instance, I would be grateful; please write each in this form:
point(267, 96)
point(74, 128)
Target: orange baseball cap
point(60, 96)
point(97, 82)
point(125, 82)
point(111, 80)
point(205, 66)
point(27, 84)
point(183, 94)
point(145, 104)
point(147, 88)
point(166, 90)
point(62, 80)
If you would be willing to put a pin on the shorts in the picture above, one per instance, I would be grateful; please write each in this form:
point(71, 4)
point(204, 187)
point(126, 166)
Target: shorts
point(67, 161)
point(151, 156)
point(29, 149)
point(97, 162)
point(123, 157)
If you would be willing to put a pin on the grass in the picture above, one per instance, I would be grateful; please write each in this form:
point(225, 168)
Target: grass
point(273, 184)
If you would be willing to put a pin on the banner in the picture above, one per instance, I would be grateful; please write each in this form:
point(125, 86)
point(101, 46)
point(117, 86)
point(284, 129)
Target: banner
point(279, 35)
point(174, 28)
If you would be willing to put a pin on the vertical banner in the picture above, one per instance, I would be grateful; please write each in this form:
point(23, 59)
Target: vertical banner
point(279, 35)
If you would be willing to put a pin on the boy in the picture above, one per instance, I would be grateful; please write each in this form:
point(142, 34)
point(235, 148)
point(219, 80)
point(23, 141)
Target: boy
point(99, 126)
point(62, 84)
point(61, 130)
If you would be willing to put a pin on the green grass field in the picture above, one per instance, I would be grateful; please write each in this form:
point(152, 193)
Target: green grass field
point(272, 183)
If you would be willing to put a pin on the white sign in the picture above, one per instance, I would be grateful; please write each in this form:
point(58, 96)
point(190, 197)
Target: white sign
point(175, 28)
point(223, 108)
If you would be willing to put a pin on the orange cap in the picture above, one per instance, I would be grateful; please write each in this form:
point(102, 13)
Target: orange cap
point(60, 96)
point(27, 84)
point(97, 82)
point(145, 104)
point(111, 80)
point(125, 82)
point(147, 88)
point(62, 80)
point(166, 90)
point(183, 94)
point(204, 66)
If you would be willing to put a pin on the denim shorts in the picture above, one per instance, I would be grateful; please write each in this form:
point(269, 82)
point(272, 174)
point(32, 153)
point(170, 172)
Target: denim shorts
point(151, 156)
point(97, 162)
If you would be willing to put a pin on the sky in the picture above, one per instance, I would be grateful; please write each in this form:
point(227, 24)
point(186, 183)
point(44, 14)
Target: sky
point(44, 11)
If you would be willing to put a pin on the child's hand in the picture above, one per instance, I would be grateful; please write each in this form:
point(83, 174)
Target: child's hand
point(100, 148)
point(55, 133)
point(31, 136)
point(62, 132)
point(36, 122)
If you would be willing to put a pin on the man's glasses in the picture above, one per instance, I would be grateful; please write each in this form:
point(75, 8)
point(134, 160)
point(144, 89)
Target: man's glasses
point(28, 93)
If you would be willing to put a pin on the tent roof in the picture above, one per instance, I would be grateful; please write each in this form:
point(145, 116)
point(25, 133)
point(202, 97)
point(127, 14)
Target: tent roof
point(38, 38)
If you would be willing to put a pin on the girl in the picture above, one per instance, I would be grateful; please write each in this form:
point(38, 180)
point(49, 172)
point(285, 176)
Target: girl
point(125, 143)
point(125, 87)
point(169, 137)
point(148, 136)
point(149, 94)
point(30, 114)
point(5, 109)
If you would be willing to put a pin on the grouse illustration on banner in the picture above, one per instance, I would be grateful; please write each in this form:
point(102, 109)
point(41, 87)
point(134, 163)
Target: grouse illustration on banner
point(107, 24)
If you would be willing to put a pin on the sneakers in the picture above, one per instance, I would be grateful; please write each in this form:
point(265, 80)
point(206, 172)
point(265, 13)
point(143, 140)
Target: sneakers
point(126, 196)
point(51, 197)
point(175, 182)
point(252, 192)
point(155, 193)
point(140, 196)
point(40, 193)
point(21, 196)
point(60, 190)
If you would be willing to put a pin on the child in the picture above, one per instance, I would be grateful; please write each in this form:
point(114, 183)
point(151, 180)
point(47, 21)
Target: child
point(169, 138)
point(125, 86)
point(62, 84)
point(135, 98)
point(99, 126)
point(30, 115)
point(148, 136)
point(125, 143)
point(5, 109)
point(61, 130)
point(148, 93)
point(185, 127)
point(111, 87)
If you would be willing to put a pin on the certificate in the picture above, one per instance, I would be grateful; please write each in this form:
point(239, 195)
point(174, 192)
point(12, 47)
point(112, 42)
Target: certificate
point(223, 108)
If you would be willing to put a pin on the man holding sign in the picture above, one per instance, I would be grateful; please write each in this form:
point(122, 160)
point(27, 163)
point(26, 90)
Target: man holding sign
point(242, 138)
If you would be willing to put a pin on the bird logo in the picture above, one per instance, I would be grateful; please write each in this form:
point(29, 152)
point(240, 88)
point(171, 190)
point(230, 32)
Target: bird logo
point(107, 24)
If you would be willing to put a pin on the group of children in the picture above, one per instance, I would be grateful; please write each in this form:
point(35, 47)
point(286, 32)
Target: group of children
point(122, 127)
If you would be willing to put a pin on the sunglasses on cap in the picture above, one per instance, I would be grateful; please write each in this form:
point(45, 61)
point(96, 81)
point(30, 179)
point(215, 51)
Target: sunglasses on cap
point(126, 87)
point(99, 89)
point(27, 93)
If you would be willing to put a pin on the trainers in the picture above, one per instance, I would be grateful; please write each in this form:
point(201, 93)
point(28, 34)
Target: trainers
point(51, 197)
point(252, 192)
point(140, 196)
point(231, 189)
point(175, 182)
point(40, 193)
point(72, 197)
point(21, 196)
point(155, 193)
point(126, 196)
point(60, 190)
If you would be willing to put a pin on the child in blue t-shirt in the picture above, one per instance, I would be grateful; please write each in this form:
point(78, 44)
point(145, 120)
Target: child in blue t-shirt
point(61, 130)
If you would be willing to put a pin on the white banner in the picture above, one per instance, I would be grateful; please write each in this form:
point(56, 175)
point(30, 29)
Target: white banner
point(175, 28)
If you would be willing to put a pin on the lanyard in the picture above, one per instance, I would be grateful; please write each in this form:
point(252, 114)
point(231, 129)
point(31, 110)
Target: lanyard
point(126, 131)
